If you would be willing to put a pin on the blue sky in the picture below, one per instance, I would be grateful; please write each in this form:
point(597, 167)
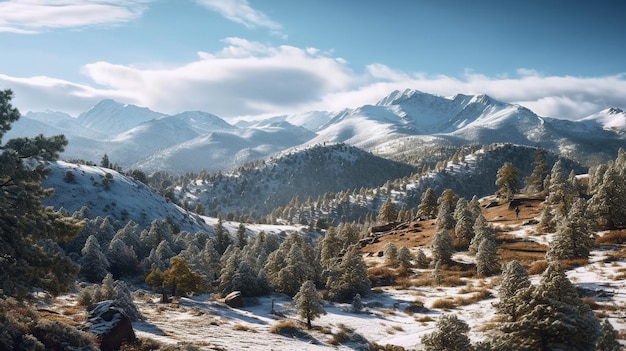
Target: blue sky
point(238, 58)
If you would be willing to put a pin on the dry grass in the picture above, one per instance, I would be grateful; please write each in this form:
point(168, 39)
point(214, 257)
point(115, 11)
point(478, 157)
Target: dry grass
point(445, 304)
point(423, 318)
point(573, 263)
point(538, 267)
point(615, 237)
point(284, 327)
point(243, 327)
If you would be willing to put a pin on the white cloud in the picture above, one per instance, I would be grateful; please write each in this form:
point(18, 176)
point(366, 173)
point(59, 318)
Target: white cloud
point(32, 16)
point(251, 78)
point(240, 11)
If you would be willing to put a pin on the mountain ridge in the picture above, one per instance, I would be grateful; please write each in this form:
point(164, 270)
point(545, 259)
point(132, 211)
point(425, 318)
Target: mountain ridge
point(131, 135)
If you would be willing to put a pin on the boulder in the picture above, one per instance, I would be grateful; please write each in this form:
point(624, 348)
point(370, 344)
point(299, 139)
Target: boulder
point(234, 299)
point(110, 324)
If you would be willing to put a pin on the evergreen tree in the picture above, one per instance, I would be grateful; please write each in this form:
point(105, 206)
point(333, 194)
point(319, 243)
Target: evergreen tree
point(242, 236)
point(122, 259)
point(507, 180)
point(574, 238)
point(390, 252)
point(388, 212)
point(534, 182)
point(482, 230)
point(551, 316)
point(308, 302)
point(222, 237)
point(349, 278)
point(441, 247)
point(405, 257)
point(608, 340)
point(427, 209)
point(421, 259)
point(330, 248)
point(178, 279)
point(445, 216)
point(93, 263)
point(25, 224)
point(514, 279)
point(451, 335)
point(357, 303)
point(464, 219)
point(437, 273)
point(292, 264)
point(487, 262)
point(607, 203)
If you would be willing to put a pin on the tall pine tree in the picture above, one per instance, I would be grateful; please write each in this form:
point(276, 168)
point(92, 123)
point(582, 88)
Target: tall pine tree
point(25, 224)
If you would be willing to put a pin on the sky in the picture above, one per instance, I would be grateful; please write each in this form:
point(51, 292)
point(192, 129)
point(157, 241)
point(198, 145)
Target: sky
point(244, 58)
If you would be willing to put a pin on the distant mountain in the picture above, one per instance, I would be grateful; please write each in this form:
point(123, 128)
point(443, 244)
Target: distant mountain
point(111, 117)
point(401, 126)
point(225, 150)
point(610, 119)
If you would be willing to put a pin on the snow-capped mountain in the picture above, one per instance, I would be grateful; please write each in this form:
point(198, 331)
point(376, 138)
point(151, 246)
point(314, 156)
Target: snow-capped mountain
point(111, 117)
point(610, 119)
point(224, 150)
point(404, 121)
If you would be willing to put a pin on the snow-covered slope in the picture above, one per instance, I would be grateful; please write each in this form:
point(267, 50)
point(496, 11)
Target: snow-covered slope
point(610, 118)
point(225, 150)
point(105, 192)
point(111, 117)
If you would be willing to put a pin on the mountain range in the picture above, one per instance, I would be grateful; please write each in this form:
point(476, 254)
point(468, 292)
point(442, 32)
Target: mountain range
point(404, 121)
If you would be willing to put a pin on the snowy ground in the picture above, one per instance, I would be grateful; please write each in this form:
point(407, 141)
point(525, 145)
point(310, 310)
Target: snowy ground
point(210, 324)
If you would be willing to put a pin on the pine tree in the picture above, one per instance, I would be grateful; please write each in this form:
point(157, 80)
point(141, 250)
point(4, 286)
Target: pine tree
point(451, 335)
point(427, 209)
point(507, 180)
point(608, 340)
point(242, 236)
point(514, 279)
point(330, 248)
point(405, 257)
point(421, 259)
point(534, 182)
point(292, 264)
point(608, 203)
point(349, 278)
point(481, 231)
point(574, 237)
point(437, 273)
point(441, 247)
point(93, 263)
point(181, 279)
point(390, 252)
point(122, 259)
point(357, 303)
point(388, 212)
point(464, 219)
point(222, 237)
point(445, 216)
point(487, 262)
point(308, 302)
point(551, 316)
point(25, 224)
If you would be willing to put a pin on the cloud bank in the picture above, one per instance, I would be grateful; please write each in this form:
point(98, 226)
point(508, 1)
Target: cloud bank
point(34, 16)
point(247, 78)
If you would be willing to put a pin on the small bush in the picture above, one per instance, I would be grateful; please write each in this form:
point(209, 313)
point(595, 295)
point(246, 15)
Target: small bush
point(286, 327)
point(243, 327)
point(444, 304)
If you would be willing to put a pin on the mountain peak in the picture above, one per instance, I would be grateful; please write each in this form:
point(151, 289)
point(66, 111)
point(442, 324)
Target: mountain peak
point(614, 111)
point(398, 96)
point(111, 117)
